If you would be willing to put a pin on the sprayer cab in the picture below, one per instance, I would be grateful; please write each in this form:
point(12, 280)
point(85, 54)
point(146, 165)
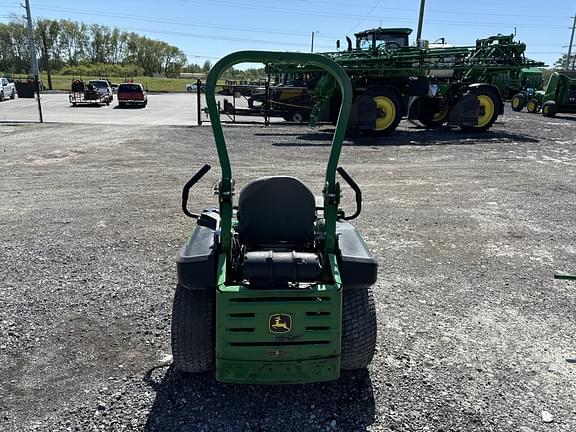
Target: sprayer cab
point(382, 37)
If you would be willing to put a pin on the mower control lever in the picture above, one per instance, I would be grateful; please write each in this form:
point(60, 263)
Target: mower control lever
point(195, 178)
point(356, 189)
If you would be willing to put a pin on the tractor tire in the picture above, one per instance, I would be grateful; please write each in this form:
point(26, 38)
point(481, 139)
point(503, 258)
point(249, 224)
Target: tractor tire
point(296, 117)
point(193, 330)
point(488, 110)
point(532, 106)
point(428, 113)
point(389, 110)
point(518, 102)
point(358, 328)
point(549, 109)
point(435, 122)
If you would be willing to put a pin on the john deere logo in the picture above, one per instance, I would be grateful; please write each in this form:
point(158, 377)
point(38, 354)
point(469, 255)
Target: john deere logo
point(280, 323)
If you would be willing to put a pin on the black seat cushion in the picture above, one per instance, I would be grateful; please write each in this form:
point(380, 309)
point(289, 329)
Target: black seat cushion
point(276, 209)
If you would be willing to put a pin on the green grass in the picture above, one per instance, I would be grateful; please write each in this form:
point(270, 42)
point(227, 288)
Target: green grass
point(63, 82)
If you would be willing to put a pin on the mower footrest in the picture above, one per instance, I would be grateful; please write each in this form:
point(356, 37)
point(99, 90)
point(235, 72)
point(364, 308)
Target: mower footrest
point(290, 372)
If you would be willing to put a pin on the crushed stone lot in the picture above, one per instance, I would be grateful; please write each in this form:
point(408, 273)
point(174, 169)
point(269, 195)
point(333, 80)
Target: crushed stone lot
point(474, 332)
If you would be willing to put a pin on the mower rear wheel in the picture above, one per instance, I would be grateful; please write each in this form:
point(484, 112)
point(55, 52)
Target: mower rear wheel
point(358, 328)
point(193, 330)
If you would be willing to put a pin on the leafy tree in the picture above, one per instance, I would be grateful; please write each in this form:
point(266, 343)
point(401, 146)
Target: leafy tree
point(561, 62)
point(72, 43)
point(206, 66)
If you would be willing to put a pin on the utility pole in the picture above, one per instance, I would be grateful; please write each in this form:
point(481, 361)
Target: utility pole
point(312, 44)
point(570, 45)
point(420, 22)
point(46, 59)
point(33, 58)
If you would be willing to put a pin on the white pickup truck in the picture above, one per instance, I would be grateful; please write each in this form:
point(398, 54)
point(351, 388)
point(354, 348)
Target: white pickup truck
point(7, 89)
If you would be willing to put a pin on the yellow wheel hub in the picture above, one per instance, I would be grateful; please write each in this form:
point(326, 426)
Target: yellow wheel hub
point(487, 110)
point(386, 112)
point(439, 116)
point(515, 102)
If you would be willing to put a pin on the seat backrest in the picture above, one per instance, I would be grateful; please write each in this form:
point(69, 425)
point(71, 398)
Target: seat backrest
point(276, 209)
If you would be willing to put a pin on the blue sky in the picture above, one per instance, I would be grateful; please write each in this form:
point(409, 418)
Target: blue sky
point(207, 30)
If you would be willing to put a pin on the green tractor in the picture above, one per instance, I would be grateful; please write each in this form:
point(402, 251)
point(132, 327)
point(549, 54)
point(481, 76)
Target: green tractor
point(275, 288)
point(530, 82)
point(558, 97)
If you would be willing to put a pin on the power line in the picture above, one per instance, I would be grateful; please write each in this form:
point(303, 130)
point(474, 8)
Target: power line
point(164, 21)
point(300, 13)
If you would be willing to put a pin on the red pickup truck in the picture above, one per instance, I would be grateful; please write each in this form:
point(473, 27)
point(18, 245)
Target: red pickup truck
point(131, 94)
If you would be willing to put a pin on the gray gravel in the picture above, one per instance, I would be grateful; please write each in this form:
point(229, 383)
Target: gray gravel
point(474, 333)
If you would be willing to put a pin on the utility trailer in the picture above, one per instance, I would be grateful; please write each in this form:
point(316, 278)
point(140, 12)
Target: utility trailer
point(86, 94)
point(291, 103)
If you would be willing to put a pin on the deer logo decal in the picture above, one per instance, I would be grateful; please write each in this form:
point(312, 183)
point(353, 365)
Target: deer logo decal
point(280, 323)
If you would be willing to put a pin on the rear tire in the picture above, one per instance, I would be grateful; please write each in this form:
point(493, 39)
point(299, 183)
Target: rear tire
point(13, 95)
point(193, 330)
point(549, 109)
point(518, 102)
point(358, 328)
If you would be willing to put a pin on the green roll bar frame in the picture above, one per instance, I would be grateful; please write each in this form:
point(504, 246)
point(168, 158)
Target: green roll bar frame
point(226, 185)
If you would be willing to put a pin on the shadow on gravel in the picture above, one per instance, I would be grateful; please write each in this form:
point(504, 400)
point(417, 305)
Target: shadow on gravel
point(127, 107)
point(88, 105)
point(420, 138)
point(566, 117)
point(186, 402)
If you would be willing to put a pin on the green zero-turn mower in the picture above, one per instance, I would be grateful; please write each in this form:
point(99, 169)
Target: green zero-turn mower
point(276, 289)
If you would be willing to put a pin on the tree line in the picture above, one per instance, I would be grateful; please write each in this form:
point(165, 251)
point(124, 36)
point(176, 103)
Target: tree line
point(67, 44)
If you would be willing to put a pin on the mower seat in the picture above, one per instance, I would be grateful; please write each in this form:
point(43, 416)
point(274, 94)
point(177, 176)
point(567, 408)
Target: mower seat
point(277, 209)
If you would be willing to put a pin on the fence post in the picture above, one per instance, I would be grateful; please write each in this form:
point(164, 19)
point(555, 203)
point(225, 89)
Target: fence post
point(37, 85)
point(267, 103)
point(198, 100)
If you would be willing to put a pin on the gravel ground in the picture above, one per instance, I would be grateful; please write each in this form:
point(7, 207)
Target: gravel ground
point(474, 333)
